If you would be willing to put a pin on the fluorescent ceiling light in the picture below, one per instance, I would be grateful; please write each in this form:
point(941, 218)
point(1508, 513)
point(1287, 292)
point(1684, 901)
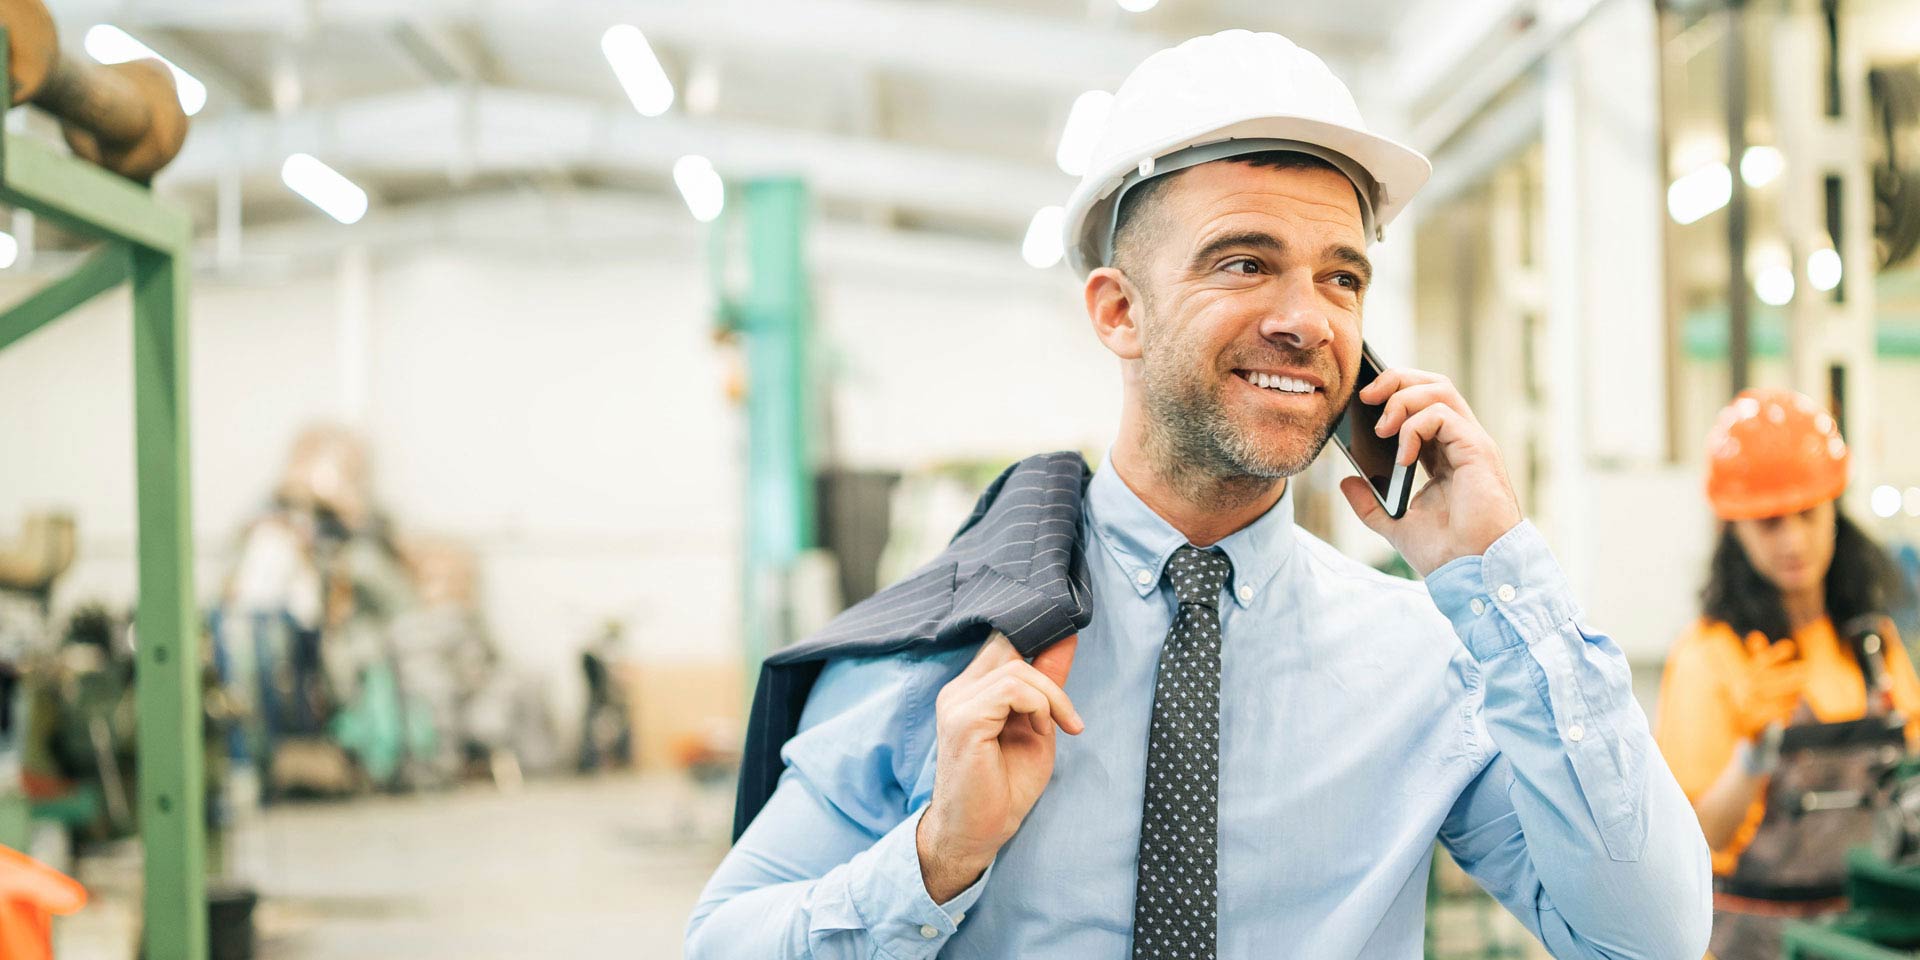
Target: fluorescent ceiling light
point(1699, 193)
point(1043, 246)
point(1823, 269)
point(700, 185)
point(1886, 501)
point(1760, 165)
point(1137, 6)
point(324, 187)
point(639, 70)
point(110, 44)
point(9, 250)
point(1774, 286)
point(1085, 121)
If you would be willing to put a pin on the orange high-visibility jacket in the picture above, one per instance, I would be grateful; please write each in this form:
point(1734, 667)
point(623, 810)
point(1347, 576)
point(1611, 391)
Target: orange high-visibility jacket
point(1695, 723)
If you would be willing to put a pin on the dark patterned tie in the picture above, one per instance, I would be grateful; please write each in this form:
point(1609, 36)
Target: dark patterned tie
point(1175, 905)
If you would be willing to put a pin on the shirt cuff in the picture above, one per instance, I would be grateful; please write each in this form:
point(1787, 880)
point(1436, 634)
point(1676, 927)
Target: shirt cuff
point(893, 901)
point(1517, 577)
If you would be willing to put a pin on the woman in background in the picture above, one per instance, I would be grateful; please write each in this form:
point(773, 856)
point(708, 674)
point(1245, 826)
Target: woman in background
point(1766, 656)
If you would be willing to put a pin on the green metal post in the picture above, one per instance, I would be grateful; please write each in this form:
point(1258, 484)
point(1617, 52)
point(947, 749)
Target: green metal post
point(774, 319)
point(172, 786)
point(149, 243)
point(101, 272)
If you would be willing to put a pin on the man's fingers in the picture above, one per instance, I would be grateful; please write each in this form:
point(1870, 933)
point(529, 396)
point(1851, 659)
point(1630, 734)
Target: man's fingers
point(1395, 379)
point(1435, 424)
point(1000, 699)
point(1411, 400)
point(1057, 700)
point(1360, 497)
point(1057, 661)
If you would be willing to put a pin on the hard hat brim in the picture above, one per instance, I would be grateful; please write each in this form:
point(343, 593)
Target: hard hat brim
point(1398, 172)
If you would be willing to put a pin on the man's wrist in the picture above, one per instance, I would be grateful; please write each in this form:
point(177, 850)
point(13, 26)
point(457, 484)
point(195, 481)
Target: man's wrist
point(945, 874)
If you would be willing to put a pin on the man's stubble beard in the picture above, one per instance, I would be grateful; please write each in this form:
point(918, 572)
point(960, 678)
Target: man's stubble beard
point(1192, 440)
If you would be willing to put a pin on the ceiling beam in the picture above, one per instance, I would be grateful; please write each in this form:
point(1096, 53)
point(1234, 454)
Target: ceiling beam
point(577, 222)
point(945, 39)
point(487, 130)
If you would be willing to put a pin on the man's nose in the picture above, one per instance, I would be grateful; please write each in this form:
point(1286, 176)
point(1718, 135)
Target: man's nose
point(1298, 317)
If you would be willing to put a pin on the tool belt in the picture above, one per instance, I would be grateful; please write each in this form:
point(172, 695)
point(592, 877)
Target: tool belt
point(1825, 796)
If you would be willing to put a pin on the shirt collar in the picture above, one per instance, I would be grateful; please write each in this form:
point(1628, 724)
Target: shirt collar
point(1142, 541)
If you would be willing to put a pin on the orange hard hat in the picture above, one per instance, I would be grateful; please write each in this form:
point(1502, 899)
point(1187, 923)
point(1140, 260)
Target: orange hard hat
point(1772, 453)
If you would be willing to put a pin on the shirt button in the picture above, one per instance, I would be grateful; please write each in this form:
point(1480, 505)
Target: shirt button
point(1246, 594)
point(1575, 732)
point(1143, 578)
point(1478, 605)
point(928, 932)
point(958, 917)
point(1505, 593)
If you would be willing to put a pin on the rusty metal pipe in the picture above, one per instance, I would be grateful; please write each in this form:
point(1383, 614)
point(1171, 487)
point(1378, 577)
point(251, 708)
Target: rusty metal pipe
point(125, 117)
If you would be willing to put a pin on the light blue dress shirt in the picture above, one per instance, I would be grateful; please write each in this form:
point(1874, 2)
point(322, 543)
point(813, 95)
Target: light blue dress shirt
point(1362, 718)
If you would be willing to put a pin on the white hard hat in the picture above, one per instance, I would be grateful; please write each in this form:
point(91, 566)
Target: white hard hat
point(1224, 95)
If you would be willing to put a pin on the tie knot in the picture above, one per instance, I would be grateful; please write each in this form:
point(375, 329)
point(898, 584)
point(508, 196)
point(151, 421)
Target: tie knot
point(1198, 575)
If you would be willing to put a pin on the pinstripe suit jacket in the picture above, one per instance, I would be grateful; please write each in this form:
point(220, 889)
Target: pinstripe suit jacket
point(1015, 566)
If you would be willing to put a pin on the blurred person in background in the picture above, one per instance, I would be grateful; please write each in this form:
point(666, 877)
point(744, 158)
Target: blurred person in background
point(1265, 737)
point(1766, 657)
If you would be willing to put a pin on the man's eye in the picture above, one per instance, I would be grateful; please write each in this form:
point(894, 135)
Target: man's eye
point(1347, 280)
point(1244, 266)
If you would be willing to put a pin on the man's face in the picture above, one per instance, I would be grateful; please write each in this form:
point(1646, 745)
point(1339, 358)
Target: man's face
point(1253, 274)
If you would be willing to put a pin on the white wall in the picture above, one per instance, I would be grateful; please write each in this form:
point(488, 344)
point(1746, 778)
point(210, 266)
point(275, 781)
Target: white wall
point(562, 409)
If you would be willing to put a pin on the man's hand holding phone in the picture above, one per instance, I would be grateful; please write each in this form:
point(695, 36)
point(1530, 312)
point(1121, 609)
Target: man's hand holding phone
point(1467, 503)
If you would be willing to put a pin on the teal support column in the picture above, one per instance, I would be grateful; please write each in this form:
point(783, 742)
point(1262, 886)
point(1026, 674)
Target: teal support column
point(167, 677)
point(772, 319)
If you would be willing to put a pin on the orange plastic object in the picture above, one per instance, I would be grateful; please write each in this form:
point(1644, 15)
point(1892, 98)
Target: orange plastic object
point(31, 895)
point(1773, 453)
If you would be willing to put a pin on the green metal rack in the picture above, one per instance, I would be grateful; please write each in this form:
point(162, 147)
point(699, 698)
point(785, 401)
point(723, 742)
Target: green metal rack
point(1882, 921)
point(145, 243)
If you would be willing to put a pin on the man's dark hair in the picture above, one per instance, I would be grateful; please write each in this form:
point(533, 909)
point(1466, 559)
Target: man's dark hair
point(1133, 225)
point(1861, 580)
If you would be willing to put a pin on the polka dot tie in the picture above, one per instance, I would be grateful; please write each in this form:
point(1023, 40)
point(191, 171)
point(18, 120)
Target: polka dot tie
point(1175, 902)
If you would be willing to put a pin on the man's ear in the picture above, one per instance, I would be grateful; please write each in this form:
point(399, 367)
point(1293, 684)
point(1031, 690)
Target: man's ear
point(1114, 306)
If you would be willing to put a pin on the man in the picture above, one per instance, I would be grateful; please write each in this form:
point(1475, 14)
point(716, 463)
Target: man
point(1263, 738)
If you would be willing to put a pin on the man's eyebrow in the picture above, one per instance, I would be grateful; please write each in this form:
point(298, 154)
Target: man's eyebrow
point(1258, 240)
point(1244, 239)
point(1352, 257)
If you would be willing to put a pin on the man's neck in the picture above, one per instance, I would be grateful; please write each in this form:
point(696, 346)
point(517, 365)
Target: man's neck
point(1204, 509)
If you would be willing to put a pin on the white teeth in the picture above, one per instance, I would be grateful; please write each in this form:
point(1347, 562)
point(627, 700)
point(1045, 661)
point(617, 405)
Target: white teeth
point(1272, 382)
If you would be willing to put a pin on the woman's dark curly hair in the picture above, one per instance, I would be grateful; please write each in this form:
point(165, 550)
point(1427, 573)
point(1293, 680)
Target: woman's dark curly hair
point(1860, 581)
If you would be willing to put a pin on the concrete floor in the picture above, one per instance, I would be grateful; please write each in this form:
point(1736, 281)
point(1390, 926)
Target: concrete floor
point(606, 867)
point(575, 868)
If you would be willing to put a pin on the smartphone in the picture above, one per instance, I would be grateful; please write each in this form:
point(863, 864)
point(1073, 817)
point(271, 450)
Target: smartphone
point(1370, 453)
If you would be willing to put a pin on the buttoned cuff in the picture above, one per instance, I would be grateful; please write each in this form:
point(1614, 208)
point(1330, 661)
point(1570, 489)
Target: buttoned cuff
point(893, 902)
point(1517, 577)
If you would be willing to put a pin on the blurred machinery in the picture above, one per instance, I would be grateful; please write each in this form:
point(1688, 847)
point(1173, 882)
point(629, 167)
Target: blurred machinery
point(361, 661)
